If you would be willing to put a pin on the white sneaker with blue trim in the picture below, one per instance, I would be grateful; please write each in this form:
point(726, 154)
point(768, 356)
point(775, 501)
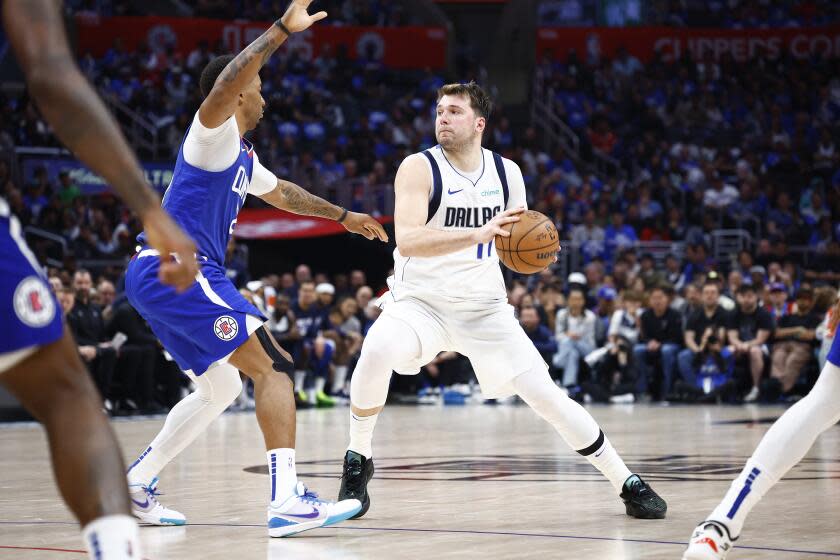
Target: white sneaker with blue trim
point(146, 507)
point(304, 511)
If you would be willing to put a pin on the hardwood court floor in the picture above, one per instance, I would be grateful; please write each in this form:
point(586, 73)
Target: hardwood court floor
point(451, 482)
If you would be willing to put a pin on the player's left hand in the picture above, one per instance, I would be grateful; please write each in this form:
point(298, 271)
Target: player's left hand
point(297, 17)
point(364, 225)
point(164, 235)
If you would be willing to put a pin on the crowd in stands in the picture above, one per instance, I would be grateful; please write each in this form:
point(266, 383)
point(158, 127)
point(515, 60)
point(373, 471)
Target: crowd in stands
point(622, 336)
point(700, 145)
point(728, 14)
point(749, 13)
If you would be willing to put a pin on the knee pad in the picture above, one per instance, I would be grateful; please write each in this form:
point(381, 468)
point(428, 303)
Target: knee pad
point(279, 362)
point(220, 385)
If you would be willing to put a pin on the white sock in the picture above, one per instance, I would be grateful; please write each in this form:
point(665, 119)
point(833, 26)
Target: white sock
point(783, 446)
point(215, 390)
point(361, 434)
point(300, 379)
point(744, 492)
point(113, 537)
point(339, 379)
point(282, 474)
point(605, 458)
point(320, 383)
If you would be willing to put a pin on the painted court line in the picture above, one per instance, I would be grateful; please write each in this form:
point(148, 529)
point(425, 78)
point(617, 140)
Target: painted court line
point(463, 532)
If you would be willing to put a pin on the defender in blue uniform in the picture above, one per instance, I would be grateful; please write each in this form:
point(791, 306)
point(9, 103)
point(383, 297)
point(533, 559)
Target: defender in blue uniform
point(210, 330)
point(39, 360)
point(783, 446)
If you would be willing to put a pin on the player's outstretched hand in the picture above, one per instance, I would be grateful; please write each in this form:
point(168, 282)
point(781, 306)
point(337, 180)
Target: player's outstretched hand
point(165, 236)
point(491, 229)
point(364, 225)
point(297, 17)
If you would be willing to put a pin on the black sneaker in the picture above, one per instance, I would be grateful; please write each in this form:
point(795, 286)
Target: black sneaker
point(301, 402)
point(357, 473)
point(641, 501)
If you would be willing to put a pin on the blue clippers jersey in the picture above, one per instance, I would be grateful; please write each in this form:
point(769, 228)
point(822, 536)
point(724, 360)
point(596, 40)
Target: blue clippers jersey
point(205, 203)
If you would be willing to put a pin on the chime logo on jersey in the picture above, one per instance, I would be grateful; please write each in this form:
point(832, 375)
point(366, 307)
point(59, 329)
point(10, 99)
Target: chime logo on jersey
point(226, 327)
point(33, 302)
point(469, 217)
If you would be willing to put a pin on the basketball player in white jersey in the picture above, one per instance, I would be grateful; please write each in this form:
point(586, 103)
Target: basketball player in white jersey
point(447, 293)
point(783, 446)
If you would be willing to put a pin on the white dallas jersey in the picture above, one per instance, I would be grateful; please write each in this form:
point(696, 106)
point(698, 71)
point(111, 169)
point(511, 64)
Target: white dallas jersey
point(459, 202)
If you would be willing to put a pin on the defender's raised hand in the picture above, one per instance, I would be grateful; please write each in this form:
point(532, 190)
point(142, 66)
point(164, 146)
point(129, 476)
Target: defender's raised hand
point(297, 17)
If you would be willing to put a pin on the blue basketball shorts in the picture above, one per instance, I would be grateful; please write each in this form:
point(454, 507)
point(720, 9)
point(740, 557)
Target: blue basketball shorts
point(30, 312)
point(200, 326)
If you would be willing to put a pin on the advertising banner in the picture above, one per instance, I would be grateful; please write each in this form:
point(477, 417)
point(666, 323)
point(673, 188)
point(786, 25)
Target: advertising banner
point(395, 47)
point(271, 223)
point(673, 42)
point(159, 175)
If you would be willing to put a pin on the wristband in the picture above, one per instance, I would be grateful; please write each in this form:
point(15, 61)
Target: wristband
point(283, 28)
point(343, 215)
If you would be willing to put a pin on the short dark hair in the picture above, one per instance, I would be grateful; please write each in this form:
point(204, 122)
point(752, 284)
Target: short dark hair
point(666, 289)
point(479, 100)
point(211, 72)
point(744, 288)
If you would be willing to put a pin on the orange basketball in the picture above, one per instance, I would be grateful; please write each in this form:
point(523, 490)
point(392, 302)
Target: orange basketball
point(532, 245)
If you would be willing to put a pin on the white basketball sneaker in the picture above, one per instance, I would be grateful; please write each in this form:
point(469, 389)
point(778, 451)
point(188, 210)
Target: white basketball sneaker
point(305, 511)
point(710, 541)
point(146, 508)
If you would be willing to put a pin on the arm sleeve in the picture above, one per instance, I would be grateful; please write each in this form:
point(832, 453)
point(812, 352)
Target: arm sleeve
point(212, 149)
point(263, 181)
point(516, 185)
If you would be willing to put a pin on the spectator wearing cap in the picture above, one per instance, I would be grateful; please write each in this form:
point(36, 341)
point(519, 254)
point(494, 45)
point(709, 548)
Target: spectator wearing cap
point(758, 275)
point(794, 341)
point(326, 294)
point(660, 339)
point(749, 330)
point(777, 303)
point(575, 334)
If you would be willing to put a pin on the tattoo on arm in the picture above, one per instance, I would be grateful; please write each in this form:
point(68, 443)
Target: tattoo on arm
point(263, 47)
point(299, 201)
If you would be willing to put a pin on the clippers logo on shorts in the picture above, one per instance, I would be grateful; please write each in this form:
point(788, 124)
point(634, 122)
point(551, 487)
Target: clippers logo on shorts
point(33, 303)
point(226, 327)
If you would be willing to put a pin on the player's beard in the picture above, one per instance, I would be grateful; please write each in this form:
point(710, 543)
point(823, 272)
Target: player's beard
point(457, 143)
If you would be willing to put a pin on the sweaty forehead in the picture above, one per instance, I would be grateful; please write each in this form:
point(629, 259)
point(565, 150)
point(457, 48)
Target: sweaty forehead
point(461, 101)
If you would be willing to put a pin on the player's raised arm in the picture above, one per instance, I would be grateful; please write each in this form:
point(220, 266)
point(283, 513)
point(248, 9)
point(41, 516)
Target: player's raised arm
point(289, 196)
point(414, 239)
point(221, 102)
point(82, 123)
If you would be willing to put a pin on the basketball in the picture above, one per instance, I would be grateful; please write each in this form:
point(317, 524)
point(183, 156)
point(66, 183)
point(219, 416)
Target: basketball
point(532, 245)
